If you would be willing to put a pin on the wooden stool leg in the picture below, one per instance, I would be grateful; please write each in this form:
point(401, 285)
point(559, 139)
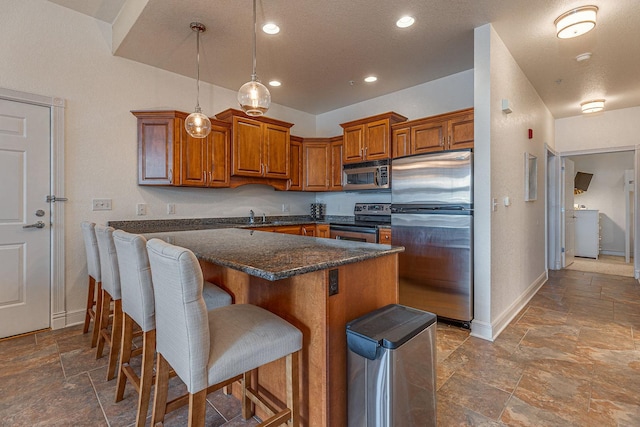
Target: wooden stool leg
point(146, 376)
point(248, 407)
point(90, 297)
point(197, 408)
point(125, 356)
point(162, 390)
point(116, 339)
point(293, 387)
point(98, 315)
point(104, 323)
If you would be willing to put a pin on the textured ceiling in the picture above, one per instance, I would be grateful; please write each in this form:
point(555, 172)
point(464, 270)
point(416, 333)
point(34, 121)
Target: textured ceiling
point(326, 44)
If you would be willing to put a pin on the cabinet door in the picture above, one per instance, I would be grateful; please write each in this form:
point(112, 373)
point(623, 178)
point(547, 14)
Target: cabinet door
point(218, 158)
point(401, 142)
point(377, 140)
point(288, 229)
point(316, 168)
point(322, 230)
point(296, 166)
point(247, 147)
point(308, 230)
point(194, 161)
point(384, 236)
point(156, 147)
point(460, 132)
point(353, 148)
point(335, 183)
point(276, 151)
point(428, 137)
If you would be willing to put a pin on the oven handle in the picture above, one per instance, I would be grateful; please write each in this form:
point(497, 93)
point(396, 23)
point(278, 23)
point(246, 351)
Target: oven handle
point(355, 229)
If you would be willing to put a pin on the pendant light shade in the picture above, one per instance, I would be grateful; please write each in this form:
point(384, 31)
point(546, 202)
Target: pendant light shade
point(197, 124)
point(254, 97)
point(576, 22)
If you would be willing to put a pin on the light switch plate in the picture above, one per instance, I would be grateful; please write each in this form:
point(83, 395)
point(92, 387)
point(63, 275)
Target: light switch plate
point(171, 208)
point(101, 204)
point(141, 209)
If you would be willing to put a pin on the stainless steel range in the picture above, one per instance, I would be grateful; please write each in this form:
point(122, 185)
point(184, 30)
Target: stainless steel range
point(364, 228)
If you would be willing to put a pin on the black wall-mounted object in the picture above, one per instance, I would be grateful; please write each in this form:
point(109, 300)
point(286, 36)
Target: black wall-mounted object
point(582, 181)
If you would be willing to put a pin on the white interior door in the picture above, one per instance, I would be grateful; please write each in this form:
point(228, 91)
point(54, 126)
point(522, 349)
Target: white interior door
point(568, 216)
point(25, 239)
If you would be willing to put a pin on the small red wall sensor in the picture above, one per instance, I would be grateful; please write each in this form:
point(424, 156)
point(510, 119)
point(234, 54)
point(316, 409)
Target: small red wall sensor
point(530, 133)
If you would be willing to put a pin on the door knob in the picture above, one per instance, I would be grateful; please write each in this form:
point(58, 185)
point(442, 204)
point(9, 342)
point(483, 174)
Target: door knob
point(38, 224)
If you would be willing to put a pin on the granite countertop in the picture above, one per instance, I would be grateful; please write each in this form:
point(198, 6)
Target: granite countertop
point(272, 256)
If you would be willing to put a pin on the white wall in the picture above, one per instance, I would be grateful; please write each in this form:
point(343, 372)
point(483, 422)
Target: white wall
point(50, 50)
point(606, 194)
point(516, 248)
point(608, 129)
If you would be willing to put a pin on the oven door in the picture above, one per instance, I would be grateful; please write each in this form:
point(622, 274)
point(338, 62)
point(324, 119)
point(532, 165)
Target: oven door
point(354, 233)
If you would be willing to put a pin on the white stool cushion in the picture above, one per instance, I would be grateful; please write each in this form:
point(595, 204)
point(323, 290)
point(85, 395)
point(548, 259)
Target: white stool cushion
point(108, 261)
point(91, 248)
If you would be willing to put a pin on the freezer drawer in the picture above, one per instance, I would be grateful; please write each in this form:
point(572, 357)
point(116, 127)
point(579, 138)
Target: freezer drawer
point(436, 268)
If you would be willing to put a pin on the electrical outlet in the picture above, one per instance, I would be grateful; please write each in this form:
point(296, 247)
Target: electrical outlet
point(171, 208)
point(101, 204)
point(285, 207)
point(141, 209)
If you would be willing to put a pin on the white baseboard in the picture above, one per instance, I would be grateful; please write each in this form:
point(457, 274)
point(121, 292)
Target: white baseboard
point(75, 317)
point(490, 331)
point(59, 320)
point(614, 253)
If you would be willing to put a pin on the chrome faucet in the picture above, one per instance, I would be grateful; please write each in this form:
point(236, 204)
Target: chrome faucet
point(251, 216)
point(264, 218)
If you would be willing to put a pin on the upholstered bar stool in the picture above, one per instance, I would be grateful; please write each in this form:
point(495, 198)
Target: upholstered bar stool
point(94, 295)
point(110, 292)
point(210, 349)
point(138, 307)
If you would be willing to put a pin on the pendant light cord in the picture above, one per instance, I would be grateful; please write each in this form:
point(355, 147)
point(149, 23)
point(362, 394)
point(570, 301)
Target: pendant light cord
point(254, 76)
point(198, 68)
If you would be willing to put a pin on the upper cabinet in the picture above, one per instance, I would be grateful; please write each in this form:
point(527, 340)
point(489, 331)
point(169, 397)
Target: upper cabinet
point(260, 147)
point(295, 171)
point(321, 164)
point(369, 138)
point(448, 131)
point(335, 180)
point(167, 155)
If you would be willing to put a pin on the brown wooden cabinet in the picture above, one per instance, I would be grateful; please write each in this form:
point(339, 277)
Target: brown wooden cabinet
point(323, 230)
point(295, 156)
point(309, 230)
point(384, 236)
point(317, 164)
point(204, 161)
point(167, 155)
point(448, 131)
point(369, 138)
point(335, 180)
point(260, 147)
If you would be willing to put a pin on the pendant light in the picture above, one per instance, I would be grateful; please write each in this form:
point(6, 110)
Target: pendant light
point(197, 124)
point(254, 97)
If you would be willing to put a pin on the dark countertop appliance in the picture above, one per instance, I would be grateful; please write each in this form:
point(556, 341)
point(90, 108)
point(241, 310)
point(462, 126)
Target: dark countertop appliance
point(432, 217)
point(368, 217)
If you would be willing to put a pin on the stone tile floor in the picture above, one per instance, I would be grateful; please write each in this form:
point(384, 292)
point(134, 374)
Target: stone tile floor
point(570, 358)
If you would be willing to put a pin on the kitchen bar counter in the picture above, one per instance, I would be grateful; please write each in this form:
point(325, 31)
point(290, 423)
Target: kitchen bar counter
point(272, 256)
point(318, 285)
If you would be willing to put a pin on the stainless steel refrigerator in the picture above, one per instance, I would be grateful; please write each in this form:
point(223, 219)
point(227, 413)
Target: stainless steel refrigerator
point(432, 217)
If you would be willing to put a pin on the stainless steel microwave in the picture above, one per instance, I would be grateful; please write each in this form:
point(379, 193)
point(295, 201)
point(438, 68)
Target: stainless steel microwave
point(366, 176)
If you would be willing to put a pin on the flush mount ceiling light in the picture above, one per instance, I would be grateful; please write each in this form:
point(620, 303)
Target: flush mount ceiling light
point(405, 21)
point(583, 57)
point(275, 83)
point(592, 106)
point(576, 22)
point(254, 97)
point(197, 124)
point(370, 79)
point(271, 28)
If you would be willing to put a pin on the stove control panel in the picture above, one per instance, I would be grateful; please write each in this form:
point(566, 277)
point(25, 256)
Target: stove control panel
point(372, 209)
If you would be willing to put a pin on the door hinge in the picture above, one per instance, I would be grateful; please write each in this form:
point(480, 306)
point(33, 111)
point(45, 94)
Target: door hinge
point(53, 199)
point(562, 250)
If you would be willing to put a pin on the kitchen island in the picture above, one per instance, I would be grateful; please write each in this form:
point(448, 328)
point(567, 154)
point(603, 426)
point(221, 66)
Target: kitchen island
point(318, 285)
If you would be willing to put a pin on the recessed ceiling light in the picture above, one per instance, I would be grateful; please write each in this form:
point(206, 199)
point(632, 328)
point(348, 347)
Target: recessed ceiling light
point(405, 21)
point(275, 83)
point(576, 22)
point(592, 106)
point(370, 79)
point(583, 56)
point(271, 28)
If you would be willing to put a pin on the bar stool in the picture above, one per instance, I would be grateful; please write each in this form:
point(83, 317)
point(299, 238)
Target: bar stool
point(209, 350)
point(138, 307)
point(94, 296)
point(110, 292)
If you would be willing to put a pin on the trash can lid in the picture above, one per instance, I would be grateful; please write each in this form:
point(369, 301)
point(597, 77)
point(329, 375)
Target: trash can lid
point(388, 327)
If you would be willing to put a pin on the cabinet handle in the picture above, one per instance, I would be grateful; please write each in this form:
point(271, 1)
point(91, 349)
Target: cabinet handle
point(204, 176)
point(210, 176)
point(262, 169)
point(304, 231)
point(171, 175)
point(442, 142)
point(449, 140)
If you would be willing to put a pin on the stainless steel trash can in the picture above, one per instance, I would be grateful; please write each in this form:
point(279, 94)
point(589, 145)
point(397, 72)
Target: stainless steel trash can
point(392, 368)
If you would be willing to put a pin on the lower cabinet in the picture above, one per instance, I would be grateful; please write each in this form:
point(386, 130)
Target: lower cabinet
point(384, 236)
point(310, 230)
point(587, 233)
